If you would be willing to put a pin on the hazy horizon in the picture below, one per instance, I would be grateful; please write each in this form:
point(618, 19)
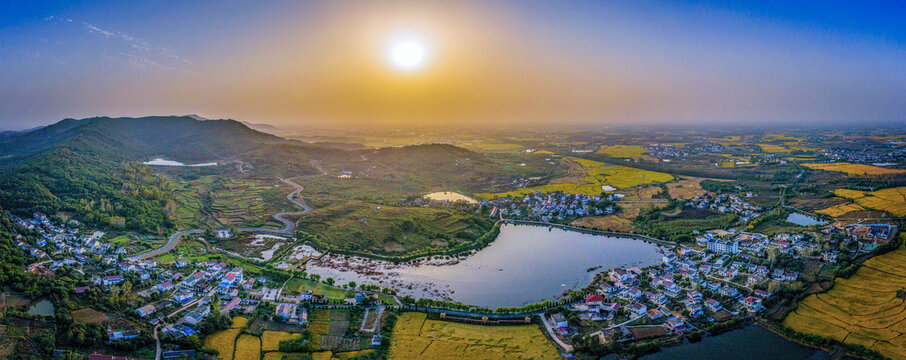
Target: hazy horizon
point(506, 64)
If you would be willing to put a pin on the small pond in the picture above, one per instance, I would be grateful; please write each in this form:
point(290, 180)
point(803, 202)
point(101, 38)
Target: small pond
point(43, 307)
point(804, 220)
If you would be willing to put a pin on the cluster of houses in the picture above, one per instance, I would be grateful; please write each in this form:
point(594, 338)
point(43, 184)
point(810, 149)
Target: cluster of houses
point(552, 206)
point(727, 203)
point(63, 244)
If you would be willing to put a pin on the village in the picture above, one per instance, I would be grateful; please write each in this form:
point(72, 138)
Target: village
point(724, 275)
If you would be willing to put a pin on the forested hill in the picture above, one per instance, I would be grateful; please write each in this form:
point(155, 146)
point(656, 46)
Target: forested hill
point(180, 138)
point(91, 167)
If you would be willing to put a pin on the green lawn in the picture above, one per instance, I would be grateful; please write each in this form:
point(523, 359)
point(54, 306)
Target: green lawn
point(120, 240)
point(297, 285)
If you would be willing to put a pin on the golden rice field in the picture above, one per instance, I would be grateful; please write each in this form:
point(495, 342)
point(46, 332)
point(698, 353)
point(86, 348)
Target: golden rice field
point(270, 340)
point(840, 210)
point(771, 148)
point(891, 200)
point(248, 347)
point(239, 322)
point(414, 337)
point(543, 152)
point(223, 342)
point(597, 174)
point(862, 310)
point(319, 325)
point(854, 169)
point(625, 151)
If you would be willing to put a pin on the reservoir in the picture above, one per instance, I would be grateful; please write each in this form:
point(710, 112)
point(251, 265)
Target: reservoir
point(164, 162)
point(525, 264)
point(804, 220)
point(750, 343)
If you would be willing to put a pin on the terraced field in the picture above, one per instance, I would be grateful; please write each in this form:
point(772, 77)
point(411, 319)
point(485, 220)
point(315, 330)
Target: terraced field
point(221, 203)
point(854, 169)
point(891, 200)
point(862, 310)
point(414, 337)
point(597, 174)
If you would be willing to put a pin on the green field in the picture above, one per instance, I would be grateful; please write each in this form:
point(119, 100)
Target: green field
point(597, 174)
point(216, 201)
point(296, 285)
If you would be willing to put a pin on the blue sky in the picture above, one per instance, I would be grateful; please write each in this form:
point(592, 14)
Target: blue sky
point(598, 62)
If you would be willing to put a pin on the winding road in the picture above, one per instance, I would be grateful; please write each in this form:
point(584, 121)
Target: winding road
point(288, 225)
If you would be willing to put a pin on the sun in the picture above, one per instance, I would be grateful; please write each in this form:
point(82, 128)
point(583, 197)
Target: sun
point(407, 54)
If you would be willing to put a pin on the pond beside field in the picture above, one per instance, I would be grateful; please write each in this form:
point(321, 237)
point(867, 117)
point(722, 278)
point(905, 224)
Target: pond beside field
point(524, 264)
point(804, 220)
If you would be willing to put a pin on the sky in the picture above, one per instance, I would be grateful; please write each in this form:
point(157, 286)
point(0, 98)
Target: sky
point(596, 63)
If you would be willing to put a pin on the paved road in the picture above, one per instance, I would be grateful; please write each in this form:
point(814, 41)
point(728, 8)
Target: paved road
point(171, 243)
point(550, 329)
point(288, 225)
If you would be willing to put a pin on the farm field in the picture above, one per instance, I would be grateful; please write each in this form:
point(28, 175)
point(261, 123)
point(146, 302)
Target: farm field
point(840, 210)
point(862, 310)
point(414, 337)
point(88, 315)
point(223, 342)
point(854, 169)
point(270, 340)
point(597, 174)
point(891, 200)
point(248, 347)
point(625, 151)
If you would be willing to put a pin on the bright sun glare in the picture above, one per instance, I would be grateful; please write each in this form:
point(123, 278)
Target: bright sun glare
point(407, 54)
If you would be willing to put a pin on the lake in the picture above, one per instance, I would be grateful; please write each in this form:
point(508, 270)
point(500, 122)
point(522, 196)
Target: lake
point(525, 264)
point(450, 196)
point(804, 220)
point(164, 162)
point(750, 343)
point(43, 307)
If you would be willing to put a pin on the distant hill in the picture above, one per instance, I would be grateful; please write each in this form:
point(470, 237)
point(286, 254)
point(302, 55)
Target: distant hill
point(181, 138)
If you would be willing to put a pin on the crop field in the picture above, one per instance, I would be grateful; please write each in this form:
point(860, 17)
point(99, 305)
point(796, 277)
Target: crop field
point(414, 337)
point(270, 340)
point(862, 310)
point(840, 210)
point(248, 347)
point(854, 169)
point(597, 174)
point(686, 188)
point(223, 342)
point(625, 151)
point(891, 200)
point(319, 325)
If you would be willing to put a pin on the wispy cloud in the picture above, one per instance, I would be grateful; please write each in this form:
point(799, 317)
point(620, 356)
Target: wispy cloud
point(130, 51)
